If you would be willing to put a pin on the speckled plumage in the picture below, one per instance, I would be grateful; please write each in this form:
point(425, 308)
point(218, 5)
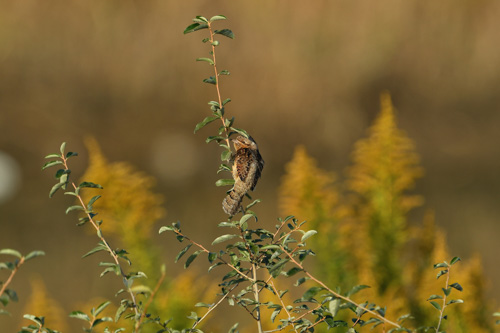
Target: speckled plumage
point(247, 169)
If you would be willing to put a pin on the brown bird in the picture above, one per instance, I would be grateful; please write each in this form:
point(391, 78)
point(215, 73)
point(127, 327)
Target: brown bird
point(247, 168)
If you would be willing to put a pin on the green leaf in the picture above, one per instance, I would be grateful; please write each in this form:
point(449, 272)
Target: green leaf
point(225, 32)
point(193, 27)
point(240, 131)
point(75, 207)
point(100, 247)
point(182, 252)
point(71, 154)
point(101, 307)
point(210, 61)
point(61, 149)
point(53, 156)
point(191, 258)
point(11, 252)
point(203, 123)
point(334, 306)
point(311, 292)
point(446, 291)
point(227, 100)
point(34, 254)
point(224, 182)
point(225, 72)
point(217, 18)
point(454, 260)
point(200, 19)
point(89, 185)
point(436, 305)
point(210, 80)
point(307, 235)
point(217, 138)
point(121, 310)
point(434, 297)
point(212, 256)
point(300, 281)
point(224, 238)
point(441, 273)
point(276, 269)
point(456, 286)
point(54, 189)
point(91, 202)
point(165, 228)
point(293, 271)
point(202, 305)
point(12, 294)
point(453, 301)
point(234, 329)
point(225, 155)
point(50, 164)
point(79, 315)
point(356, 289)
point(440, 265)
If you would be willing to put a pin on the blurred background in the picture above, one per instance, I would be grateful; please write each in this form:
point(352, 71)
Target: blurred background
point(301, 73)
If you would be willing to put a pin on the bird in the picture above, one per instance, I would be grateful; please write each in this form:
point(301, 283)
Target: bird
point(247, 169)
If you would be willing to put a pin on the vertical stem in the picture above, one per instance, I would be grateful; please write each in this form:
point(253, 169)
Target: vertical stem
point(444, 300)
point(256, 296)
point(11, 276)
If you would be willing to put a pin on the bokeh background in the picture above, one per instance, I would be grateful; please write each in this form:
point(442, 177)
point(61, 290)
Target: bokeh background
point(301, 73)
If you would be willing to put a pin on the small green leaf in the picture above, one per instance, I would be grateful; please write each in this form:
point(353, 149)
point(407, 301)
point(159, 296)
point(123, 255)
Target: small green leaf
point(165, 228)
point(12, 294)
point(200, 19)
point(225, 72)
point(91, 202)
point(89, 185)
point(205, 122)
point(101, 307)
point(454, 260)
point(307, 235)
point(434, 297)
point(441, 273)
point(191, 258)
point(50, 164)
point(293, 271)
point(217, 18)
point(98, 248)
point(453, 301)
point(71, 154)
point(53, 156)
point(240, 131)
point(34, 254)
point(334, 306)
point(210, 61)
point(311, 292)
point(182, 252)
point(440, 265)
point(234, 328)
point(357, 288)
point(123, 307)
point(436, 305)
point(210, 80)
point(224, 182)
point(54, 189)
point(79, 315)
point(212, 256)
point(225, 32)
point(456, 286)
point(75, 207)
point(61, 149)
point(224, 238)
point(225, 155)
point(11, 252)
point(202, 305)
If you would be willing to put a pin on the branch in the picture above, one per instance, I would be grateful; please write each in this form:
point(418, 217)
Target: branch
point(347, 299)
point(11, 276)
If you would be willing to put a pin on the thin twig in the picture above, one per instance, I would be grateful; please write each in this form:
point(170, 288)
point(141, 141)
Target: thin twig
point(217, 83)
point(444, 299)
point(103, 240)
point(11, 276)
point(347, 299)
point(207, 251)
point(213, 307)
point(150, 300)
point(256, 296)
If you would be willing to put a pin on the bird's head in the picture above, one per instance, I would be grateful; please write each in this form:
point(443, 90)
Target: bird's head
point(242, 142)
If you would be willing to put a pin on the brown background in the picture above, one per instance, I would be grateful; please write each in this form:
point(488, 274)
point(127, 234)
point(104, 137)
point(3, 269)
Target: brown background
point(305, 72)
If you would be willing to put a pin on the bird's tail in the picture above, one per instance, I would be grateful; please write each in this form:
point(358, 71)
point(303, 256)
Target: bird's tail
point(232, 202)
